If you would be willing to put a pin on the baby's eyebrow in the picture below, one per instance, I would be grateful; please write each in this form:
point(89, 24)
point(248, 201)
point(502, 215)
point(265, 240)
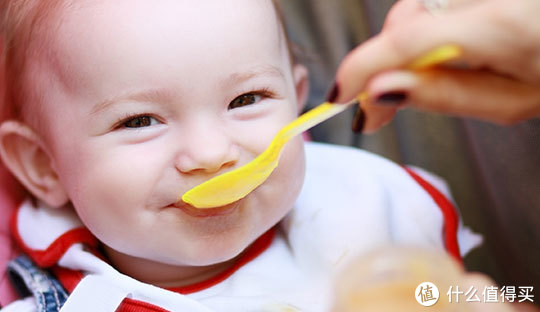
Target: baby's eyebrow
point(150, 95)
point(267, 70)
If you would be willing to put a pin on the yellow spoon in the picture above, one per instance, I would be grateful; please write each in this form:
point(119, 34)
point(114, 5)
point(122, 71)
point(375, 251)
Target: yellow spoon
point(236, 184)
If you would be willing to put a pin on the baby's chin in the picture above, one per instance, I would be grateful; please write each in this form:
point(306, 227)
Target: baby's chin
point(249, 237)
point(203, 254)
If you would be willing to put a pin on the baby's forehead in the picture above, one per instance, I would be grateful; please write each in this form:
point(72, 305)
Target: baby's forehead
point(99, 34)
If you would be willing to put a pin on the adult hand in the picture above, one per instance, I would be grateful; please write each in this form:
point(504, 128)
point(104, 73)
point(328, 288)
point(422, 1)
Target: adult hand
point(497, 78)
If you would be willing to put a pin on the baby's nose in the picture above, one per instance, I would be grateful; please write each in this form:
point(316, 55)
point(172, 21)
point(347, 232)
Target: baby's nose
point(208, 153)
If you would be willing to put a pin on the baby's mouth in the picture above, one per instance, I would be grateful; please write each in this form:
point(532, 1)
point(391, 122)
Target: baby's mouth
point(204, 213)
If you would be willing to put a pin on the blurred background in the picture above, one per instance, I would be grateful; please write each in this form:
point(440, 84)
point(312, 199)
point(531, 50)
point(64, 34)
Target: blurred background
point(493, 171)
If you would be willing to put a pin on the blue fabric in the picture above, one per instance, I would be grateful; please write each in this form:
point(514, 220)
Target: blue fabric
point(29, 279)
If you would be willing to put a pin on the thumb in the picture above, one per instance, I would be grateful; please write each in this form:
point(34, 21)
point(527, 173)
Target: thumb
point(472, 93)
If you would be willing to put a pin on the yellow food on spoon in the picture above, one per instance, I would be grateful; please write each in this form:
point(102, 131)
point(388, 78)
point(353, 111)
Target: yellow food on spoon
point(236, 184)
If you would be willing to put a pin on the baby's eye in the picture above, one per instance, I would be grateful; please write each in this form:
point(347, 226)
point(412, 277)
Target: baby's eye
point(140, 121)
point(244, 100)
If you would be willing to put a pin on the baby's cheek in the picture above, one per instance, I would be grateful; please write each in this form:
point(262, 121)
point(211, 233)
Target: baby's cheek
point(107, 188)
point(291, 167)
point(259, 138)
point(299, 161)
point(257, 134)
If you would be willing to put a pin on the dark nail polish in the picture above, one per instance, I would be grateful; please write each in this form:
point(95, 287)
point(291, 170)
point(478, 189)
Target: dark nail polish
point(394, 98)
point(359, 120)
point(333, 94)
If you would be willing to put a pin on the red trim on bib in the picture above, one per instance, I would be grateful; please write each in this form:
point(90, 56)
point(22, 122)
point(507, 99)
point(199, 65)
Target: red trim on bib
point(132, 305)
point(68, 278)
point(50, 256)
point(449, 212)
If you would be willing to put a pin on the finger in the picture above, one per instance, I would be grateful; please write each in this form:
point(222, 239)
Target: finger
point(375, 116)
point(404, 10)
point(386, 51)
point(478, 94)
point(400, 46)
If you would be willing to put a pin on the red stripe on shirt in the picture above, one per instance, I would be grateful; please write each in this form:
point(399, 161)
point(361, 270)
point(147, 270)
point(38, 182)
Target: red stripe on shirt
point(50, 256)
point(449, 212)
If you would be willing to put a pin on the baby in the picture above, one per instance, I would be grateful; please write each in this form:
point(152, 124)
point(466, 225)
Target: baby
point(113, 109)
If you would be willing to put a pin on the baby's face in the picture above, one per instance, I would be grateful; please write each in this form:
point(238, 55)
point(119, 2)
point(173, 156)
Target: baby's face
point(152, 98)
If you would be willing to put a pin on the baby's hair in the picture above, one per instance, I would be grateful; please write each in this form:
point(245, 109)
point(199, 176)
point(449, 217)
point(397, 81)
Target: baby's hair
point(21, 23)
point(292, 49)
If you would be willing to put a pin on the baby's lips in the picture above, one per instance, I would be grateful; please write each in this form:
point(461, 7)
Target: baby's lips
point(207, 212)
point(180, 204)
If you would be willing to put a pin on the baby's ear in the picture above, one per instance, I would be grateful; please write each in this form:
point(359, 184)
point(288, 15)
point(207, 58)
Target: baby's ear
point(301, 83)
point(23, 154)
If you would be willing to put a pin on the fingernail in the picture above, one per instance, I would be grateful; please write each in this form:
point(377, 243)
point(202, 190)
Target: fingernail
point(393, 98)
point(359, 120)
point(333, 94)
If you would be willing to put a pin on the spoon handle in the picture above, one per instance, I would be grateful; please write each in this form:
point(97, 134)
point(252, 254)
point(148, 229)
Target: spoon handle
point(314, 117)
